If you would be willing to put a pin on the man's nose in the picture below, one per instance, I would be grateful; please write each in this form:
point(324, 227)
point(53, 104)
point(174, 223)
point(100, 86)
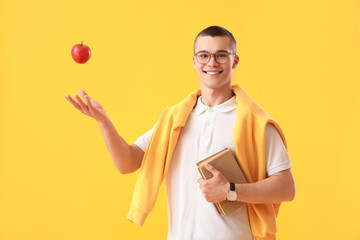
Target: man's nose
point(212, 61)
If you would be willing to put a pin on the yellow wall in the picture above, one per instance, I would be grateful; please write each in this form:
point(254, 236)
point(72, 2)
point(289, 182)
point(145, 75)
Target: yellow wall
point(299, 60)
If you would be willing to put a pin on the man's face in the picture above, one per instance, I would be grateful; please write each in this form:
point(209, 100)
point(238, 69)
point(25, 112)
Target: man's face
point(213, 45)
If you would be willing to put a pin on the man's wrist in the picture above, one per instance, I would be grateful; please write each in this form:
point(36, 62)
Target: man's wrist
point(227, 189)
point(104, 122)
point(231, 194)
point(240, 190)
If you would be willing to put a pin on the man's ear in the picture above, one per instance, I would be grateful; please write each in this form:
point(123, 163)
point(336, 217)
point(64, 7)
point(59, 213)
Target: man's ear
point(193, 61)
point(236, 61)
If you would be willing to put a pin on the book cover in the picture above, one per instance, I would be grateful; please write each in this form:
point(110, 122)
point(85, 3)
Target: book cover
point(225, 162)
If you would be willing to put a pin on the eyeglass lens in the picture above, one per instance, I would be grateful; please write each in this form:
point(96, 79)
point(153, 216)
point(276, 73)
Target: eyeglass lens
point(205, 57)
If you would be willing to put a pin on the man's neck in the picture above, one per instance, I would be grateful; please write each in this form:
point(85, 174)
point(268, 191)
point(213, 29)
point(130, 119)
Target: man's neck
point(212, 97)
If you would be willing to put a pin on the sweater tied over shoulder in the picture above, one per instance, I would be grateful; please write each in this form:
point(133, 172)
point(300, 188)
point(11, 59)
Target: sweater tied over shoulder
point(249, 139)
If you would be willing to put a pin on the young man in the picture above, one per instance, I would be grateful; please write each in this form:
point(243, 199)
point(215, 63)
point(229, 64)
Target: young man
point(216, 116)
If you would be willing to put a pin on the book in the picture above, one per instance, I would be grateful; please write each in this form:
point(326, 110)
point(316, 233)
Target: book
point(225, 162)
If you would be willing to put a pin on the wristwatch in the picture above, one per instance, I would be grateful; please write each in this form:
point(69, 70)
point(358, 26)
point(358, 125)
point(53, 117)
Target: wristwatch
point(231, 195)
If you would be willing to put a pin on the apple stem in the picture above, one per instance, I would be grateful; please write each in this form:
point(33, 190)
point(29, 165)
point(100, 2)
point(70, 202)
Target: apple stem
point(81, 42)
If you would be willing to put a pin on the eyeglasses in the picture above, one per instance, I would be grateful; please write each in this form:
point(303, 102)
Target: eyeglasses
point(220, 57)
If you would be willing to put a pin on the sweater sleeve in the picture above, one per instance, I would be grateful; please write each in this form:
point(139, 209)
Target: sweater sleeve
point(151, 171)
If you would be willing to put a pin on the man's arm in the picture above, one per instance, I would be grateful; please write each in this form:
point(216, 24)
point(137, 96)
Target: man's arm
point(127, 158)
point(279, 187)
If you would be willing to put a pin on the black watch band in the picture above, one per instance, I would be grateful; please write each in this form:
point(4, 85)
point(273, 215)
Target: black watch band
point(232, 186)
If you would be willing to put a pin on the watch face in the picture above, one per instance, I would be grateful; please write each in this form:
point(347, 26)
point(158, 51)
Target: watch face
point(231, 196)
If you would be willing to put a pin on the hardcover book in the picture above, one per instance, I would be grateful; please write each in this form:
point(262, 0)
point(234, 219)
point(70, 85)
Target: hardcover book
point(225, 162)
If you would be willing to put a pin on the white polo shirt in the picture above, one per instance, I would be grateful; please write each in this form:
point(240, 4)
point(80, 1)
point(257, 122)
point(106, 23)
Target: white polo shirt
point(207, 131)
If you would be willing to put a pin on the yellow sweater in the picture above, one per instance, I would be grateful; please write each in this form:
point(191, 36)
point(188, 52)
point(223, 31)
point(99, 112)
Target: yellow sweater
point(249, 139)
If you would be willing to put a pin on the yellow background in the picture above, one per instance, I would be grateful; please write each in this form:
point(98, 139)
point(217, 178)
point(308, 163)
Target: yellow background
point(299, 60)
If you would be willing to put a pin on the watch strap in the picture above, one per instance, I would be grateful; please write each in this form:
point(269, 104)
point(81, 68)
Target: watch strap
point(232, 186)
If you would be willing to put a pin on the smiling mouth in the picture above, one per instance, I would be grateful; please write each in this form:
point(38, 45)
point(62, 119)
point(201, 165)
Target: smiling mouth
point(213, 73)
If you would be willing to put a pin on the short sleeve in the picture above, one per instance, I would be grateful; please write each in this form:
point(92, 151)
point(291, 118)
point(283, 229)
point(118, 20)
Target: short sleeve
point(143, 140)
point(277, 157)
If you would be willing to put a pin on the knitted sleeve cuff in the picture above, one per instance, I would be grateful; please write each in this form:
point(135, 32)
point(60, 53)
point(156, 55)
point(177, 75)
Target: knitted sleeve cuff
point(136, 216)
point(272, 237)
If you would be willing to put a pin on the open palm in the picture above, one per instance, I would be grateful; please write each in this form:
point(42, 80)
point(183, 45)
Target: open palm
point(91, 108)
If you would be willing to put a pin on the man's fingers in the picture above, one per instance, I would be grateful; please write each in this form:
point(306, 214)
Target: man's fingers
point(213, 170)
point(87, 98)
point(73, 102)
point(81, 103)
point(82, 93)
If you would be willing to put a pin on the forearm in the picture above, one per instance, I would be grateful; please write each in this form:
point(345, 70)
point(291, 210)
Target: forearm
point(274, 189)
point(119, 150)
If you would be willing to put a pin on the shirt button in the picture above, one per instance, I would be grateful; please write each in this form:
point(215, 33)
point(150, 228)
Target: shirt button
point(211, 110)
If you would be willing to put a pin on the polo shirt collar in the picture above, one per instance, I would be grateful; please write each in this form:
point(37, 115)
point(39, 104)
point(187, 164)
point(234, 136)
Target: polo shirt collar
point(226, 106)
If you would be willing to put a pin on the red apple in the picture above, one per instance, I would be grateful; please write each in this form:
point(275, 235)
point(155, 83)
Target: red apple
point(80, 53)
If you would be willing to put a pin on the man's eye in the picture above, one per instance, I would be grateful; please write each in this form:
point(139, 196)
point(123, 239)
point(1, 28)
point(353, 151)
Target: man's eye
point(221, 55)
point(203, 55)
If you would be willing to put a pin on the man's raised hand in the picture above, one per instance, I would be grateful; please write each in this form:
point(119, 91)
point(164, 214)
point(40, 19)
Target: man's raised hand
point(91, 108)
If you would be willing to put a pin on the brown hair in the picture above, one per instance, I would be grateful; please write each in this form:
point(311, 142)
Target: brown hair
point(215, 31)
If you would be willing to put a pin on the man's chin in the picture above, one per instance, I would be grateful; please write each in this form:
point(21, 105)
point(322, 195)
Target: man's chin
point(214, 85)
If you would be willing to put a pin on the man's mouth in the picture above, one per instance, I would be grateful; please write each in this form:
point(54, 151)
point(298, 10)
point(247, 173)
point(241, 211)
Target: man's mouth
point(212, 72)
